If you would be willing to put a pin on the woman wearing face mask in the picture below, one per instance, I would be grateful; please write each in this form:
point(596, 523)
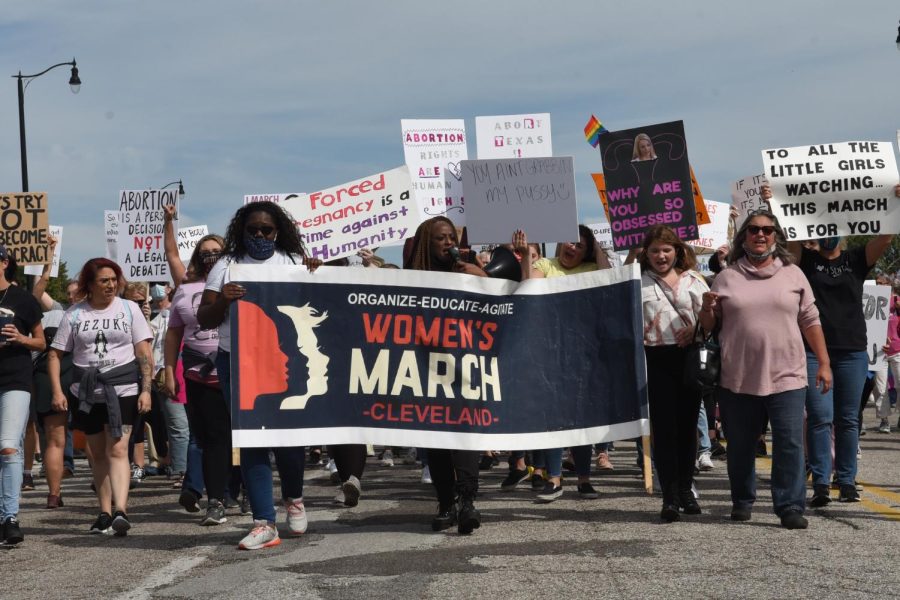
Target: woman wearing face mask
point(259, 233)
point(765, 308)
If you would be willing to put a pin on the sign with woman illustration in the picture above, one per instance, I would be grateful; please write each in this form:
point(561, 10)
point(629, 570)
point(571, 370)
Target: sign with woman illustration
point(648, 182)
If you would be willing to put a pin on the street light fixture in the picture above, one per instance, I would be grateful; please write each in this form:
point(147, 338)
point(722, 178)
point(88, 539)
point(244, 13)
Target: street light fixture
point(180, 187)
point(74, 85)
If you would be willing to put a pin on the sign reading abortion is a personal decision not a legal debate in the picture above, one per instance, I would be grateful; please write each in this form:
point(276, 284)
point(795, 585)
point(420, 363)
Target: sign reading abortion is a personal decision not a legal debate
point(139, 239)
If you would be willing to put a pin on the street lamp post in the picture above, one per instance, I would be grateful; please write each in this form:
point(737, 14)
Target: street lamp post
point(74, 84)
point(180, 187)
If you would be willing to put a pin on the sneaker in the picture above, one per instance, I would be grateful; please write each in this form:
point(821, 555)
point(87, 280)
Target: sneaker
point(445, 517)
point(189, 500)
point(469, 518)
point(603, 462)
point(486, 462)
point(792, 519)
point(230, 502)
point(537, 482)
point(741, 513)
point(335, 476)
point(587, 491)
point(103, 524)
point(717, 450)
point(885, 426)
point(68, 472)
point(352, 490)
point(12, 533)
point(137, 474)
point(848, 493)
point(263, 535)
point(120, 524)
point(705, 463)
point(27, 482)
point(387, 458)
point(426, 475)
point(215, 514)
point(821, 496)
point(688, 503)
point(515, 477)
point(550, 492)
point(296, 516)
point(340, 498)
point(669, 513)
point(410, 458)
point(245, 504)
point(54, 501)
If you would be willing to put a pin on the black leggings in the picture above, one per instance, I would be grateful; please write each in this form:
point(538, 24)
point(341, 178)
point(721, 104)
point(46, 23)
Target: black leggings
point(350, 459)
point(453, 472)
point(210, 422)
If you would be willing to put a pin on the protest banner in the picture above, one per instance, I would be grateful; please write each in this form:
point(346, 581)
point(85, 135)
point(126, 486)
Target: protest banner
point(648, 182)
point(513, 136)
point(57, 232)
point(536, 195)
point(437, 360)
point(746, 195)
point(835, 189)
point(374, 211)
point(23, 226)
point(187, 238)
point(876, 309)
point(111, 226)
point(716, 233)
point(139, 241)
point(433, 149)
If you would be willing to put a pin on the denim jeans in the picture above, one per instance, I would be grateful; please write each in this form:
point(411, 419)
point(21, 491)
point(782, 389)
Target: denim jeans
point(193, 476)
point(840, 407)
point(255, 466)
point(69, 450)
point(14, 410)
point(705, 445)
point(178, 432)
point(743, 416)
point(581, 456)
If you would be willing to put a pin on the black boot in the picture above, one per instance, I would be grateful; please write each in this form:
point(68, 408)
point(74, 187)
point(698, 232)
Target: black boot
point(469, 517)
point(445, 518)
point(688, 503)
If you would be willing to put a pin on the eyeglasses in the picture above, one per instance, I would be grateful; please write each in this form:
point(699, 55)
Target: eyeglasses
point(266, 230)
point(767, 230)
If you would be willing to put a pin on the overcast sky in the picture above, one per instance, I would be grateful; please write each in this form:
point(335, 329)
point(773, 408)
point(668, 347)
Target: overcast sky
point(290, 96)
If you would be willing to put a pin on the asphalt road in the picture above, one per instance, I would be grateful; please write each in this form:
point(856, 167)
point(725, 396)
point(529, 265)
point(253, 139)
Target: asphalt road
point(612, 547)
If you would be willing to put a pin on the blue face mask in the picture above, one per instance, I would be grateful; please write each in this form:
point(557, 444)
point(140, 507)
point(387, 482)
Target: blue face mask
point(259, 248)
point(830, 243)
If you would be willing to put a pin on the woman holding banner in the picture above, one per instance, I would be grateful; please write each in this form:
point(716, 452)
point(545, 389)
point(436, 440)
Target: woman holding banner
point(259, 233)
point(764, 308)
point(454, 473)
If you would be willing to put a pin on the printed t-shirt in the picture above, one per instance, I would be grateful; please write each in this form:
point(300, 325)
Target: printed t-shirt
point(183, 313)
point(15, 359)
point(838, 287)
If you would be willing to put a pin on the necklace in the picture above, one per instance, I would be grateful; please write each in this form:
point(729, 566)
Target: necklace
point(6, 291)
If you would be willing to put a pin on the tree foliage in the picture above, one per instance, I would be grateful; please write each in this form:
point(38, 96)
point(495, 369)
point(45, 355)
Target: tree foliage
point(889, 264)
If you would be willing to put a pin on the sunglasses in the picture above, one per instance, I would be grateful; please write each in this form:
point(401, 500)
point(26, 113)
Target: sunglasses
point(266, 230)
point(767, 230)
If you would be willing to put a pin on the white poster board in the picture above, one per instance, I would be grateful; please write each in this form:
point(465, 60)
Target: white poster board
point(371, 212)
point(36, 270)
point(187, 239)
point(715, 233)
point(602, 232)
point(433, 150)
point(835, 189)
point(111, 226)
point(876, 309)
point(513, 136)
point(139, 244)
point(536, 195)
point(746, 195)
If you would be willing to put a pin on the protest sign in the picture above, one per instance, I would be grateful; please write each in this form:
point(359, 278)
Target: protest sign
point(374, 211)
point(699, 205)
point(57, 232)
point(716, 233)
point(536, 195)
point(413, 358)
point(835, 189)
point(746, 195)
point(602, 233)
point(433, 149)
point(139, 242)
point(23, 226)
point(187, 240)
point(276, 198)
point(648, 182)
point(111, 226)
point(876, 309)
point(513, 136)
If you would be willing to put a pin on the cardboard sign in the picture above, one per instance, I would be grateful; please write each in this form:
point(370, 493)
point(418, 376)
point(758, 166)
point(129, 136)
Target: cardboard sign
point(187, 239)
point(57, 232)
point(876, 309)
point(834, 189)
point(536, 195)
point(374, 211)
point(716, 233)
point(23, 226)
point(139, 243)
point(648, 182)
point(434, 149)
point(746, 195)
point(111, 226)
point(513, 136)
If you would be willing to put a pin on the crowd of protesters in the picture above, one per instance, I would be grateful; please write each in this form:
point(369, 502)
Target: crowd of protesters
point(788, 317)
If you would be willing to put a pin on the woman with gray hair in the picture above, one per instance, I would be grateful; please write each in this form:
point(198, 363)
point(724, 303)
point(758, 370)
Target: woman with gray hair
point(764, 307)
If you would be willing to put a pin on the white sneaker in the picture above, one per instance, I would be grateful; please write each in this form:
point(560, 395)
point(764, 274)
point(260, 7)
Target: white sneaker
point(333, 470)
point(387, 459)
point(885, 426)
point(426, 475)
point(705, 463)
point(410, 457)
point(263, 535)
point(296, 516)
point(339, 498)
point(352, 490)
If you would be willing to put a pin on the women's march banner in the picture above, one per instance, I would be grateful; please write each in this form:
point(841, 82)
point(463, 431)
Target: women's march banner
point(437, 360)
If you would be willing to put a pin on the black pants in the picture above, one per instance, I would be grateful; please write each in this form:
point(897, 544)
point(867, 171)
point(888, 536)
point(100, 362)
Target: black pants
point(157, 421)
point(674, 410)
point(210, 423)
point(350, 459)
point(454, 473)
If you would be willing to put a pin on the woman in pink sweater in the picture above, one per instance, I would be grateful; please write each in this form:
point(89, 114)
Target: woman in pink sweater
point(764, 307)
